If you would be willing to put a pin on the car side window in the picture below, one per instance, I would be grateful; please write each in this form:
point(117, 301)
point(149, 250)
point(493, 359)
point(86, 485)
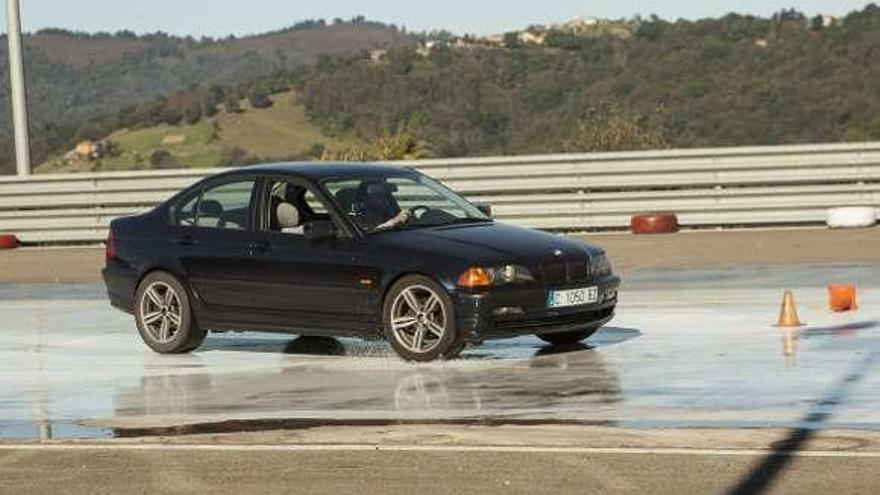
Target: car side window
point(186, 212)
point(315, 204)
point(226, 206)
point(290, 206)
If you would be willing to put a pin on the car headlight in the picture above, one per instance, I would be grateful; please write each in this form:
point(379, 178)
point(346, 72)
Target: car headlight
point(600, 266)
point(511, 274)
point(478, 276)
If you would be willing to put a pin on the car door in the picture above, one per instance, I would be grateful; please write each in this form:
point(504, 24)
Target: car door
point(212, 240)
point(304, 284)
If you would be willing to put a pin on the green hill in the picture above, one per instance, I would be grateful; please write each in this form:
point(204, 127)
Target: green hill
point(733, 81)
point(73, 77)
point(280, 131)
point(609, 85)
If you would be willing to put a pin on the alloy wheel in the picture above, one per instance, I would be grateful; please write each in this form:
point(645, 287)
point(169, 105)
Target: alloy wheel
point(418, 319)
point(161, 312)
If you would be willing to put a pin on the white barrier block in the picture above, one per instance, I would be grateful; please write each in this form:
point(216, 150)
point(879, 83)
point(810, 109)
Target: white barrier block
point(851, 217)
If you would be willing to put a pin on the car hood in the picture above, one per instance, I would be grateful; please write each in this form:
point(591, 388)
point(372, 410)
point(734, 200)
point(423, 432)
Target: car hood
point(494, 242)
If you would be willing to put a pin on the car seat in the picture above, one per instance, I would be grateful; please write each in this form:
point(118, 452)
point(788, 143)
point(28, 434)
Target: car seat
point(288, 219)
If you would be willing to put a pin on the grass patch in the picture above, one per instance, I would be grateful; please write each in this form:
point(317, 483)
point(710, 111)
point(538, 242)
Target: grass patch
point(277, 132)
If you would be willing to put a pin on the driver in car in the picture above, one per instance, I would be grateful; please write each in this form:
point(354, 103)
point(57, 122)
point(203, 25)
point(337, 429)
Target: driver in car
point(378, 208)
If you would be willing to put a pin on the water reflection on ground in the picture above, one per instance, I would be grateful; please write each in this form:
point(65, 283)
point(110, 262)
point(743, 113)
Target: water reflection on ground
point(377, 385)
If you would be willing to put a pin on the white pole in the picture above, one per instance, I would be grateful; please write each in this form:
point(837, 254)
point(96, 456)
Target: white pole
point(19, 97)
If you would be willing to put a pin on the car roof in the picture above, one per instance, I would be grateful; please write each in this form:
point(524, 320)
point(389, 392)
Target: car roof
point(321, 170)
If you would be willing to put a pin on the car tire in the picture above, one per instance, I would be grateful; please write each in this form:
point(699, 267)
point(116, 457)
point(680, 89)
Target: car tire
point(568, 338)
point(419, 320)
point(164, 315)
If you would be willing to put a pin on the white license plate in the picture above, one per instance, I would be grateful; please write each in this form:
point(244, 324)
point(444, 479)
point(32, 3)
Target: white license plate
point(572, 297)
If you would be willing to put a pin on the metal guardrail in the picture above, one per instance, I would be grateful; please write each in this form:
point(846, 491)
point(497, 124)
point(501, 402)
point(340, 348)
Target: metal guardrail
point(722, 187)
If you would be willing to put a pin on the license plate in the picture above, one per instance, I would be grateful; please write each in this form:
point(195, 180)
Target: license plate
point(572, 297)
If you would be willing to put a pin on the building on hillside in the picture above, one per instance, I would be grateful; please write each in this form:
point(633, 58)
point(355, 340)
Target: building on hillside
point(427, 47)
point(90, 150)
point(581, 23)
point(494, 40)
point(828, 20)
point(532, 38)
point(377, 55)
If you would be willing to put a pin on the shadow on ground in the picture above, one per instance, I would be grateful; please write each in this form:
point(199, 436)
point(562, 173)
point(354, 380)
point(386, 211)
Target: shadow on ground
point(521, 347)
point(765, 473)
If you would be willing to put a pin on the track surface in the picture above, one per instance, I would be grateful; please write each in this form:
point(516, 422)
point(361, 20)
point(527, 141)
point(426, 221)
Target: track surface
point(690, 389)
point(688, 349)
point(235, 471)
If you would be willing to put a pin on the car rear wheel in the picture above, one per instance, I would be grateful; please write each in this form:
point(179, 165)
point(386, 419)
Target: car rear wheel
point(164, 315)
point(567, 338)
point(419, 320)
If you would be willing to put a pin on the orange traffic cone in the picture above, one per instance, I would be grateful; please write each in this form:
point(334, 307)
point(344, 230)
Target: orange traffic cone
point(842, 298)
point(788, 317)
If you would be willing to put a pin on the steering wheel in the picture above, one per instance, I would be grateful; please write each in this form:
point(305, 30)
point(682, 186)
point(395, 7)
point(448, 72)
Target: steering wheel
point(419, 208)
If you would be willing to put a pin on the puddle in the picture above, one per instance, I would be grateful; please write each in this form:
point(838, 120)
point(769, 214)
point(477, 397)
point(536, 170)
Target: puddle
point(51, 430)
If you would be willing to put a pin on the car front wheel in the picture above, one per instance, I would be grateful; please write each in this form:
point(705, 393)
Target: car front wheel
point(567, 338)
point(419, 320)
point(164, 315)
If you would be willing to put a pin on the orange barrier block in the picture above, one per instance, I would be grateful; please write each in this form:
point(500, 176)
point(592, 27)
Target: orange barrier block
point(654, 223)
point(842, 298)
point(8, 241)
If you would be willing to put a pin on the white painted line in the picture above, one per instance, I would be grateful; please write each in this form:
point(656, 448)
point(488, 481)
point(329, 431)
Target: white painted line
point(110, 446)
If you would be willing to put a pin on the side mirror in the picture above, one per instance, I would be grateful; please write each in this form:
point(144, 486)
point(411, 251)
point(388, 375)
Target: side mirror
point(319, 230)
point(485, 209)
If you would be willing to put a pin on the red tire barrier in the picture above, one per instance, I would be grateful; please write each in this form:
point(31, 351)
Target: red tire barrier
point(654, 223)
point(8, 241)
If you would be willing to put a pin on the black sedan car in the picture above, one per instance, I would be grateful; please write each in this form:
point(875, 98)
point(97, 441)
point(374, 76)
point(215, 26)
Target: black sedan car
point(349, 250)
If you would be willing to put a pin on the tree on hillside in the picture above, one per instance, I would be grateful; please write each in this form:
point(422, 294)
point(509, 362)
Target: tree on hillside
point(354, 154)
point(237, 157)
point(160, 159)
point(172, 116)
point(259, 97)
point(402, 143)
point(511, 40)
point(232, 105)
point(192, 115)
point(612, 128)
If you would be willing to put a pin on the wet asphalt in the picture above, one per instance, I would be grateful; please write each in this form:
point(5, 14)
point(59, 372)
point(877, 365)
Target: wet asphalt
point(688, 349)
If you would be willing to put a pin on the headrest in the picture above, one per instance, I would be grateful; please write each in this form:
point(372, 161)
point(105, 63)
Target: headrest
point(210, 208)
point(345, 198)
point(288, 216)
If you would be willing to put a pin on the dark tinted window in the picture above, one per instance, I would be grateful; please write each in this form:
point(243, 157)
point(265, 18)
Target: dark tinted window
point(186, 212)
point(226, 206)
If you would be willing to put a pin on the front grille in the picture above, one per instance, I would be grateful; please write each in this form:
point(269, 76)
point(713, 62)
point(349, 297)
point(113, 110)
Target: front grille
point(578, 270)
point(563, 271)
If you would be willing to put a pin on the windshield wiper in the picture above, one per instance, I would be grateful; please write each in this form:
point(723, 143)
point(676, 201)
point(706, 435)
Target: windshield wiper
point(415, 226)
point(458, 221)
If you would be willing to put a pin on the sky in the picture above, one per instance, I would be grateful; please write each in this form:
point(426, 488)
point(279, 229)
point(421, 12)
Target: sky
point(223, 17)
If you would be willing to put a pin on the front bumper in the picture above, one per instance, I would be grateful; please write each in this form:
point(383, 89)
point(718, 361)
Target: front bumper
point(482, 315)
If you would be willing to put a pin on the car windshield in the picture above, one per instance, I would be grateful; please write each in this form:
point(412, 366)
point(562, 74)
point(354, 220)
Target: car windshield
point(379, 203)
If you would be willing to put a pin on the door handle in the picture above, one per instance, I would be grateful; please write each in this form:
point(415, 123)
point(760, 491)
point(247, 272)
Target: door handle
point(184, 240)
point(259, 247)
